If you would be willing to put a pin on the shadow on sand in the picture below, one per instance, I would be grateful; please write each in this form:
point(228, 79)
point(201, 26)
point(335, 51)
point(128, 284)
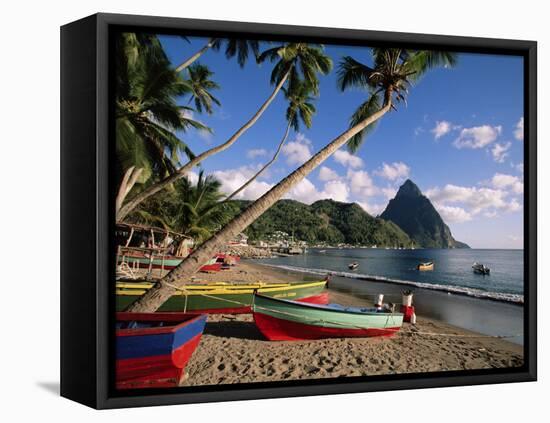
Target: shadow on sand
point(240, 330)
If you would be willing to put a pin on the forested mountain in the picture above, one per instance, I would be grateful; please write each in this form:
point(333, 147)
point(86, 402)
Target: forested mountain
point(326, 221)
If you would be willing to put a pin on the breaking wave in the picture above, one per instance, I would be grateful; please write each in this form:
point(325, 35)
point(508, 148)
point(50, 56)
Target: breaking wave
point(453, 289)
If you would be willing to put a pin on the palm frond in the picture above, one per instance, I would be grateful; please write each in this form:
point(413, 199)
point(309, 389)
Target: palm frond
point(352, 73)
point(364, 111)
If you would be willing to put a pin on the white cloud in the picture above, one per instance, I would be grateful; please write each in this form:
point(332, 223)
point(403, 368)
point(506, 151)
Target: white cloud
point(361, 183)
point(193, 177)
point(336, 190)
point(500, 151)
point(347, 159)
point(474, 200)
point(232, 179)
point(518, 132)
point(441, 128)
point(418, 130)
point(502, 181)
point(372, 209)
point(393, 171)
point(306, 192)
point(297, 151)
point(256, 152)
point(389, 192)
point(513, 206)
point(327, 174)
point(519, 167)
point(452, 214)
point(477, 136)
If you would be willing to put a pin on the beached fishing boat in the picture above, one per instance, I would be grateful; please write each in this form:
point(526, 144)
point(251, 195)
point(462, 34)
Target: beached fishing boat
point(283, 320)
point(353, 266)
point(481, 269)
point(135, 259)
point(427, 265)
point(227, 259)
point(152, 349)
point(223, 297)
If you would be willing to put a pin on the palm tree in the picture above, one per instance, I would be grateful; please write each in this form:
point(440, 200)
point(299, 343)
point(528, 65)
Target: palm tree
point(391, 74)
point(296, 62)
point(147, 115)
point(200, 87)
point(233, 47)
point(191, 209)
point(300, 108)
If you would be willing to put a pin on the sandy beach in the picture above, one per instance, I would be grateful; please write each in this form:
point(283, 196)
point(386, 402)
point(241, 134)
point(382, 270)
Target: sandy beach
point(232, 350)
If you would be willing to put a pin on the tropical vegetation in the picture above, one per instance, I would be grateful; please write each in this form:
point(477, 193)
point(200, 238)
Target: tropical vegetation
point(147, 113)
point(295, 63)
point(325, 222)
point(386, 79)
point(194, 209)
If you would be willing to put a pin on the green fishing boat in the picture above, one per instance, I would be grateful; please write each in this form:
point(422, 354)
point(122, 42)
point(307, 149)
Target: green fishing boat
point(223, 297)
point(284, 320)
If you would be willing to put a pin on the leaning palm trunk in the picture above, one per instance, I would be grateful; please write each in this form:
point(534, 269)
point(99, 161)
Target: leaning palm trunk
point(181, 172)
point(195, 56)
point(262, 170)
point(177, 278)
point(128, 181)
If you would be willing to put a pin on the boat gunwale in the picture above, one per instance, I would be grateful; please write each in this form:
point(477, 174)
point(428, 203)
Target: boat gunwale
point(324, 307)
point(191, 319)
point(222, 290)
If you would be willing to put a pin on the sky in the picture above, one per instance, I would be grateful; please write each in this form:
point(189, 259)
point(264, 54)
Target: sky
point(459, 138)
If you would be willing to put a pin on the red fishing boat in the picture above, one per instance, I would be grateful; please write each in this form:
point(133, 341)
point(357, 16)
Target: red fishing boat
point(284, 320)
point(152, 349)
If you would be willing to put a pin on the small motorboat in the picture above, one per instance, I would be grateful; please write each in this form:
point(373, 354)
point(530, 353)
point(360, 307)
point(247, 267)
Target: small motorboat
point(427, 265)
point(353, 266)
point(285, 320)
point(481, 269)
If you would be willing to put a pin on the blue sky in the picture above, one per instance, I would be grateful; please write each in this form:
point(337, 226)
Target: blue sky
point(460, 139)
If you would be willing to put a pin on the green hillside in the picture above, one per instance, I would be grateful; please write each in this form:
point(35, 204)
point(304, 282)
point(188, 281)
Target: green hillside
point(328, 222)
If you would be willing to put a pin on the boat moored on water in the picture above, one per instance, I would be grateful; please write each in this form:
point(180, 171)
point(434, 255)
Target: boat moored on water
point(481, 269)
point(221, 297)
point(152, 349)
point(353, 266)
point(284, 320)
point(427, 265)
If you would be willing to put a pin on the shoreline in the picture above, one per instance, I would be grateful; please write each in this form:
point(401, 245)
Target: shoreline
point(453, 289)
point(232, 349)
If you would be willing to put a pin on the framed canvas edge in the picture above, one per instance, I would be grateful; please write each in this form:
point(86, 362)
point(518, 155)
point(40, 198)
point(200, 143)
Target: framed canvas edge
point(104, 399)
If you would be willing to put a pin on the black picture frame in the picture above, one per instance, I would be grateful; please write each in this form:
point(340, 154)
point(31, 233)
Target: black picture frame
point(87, 220)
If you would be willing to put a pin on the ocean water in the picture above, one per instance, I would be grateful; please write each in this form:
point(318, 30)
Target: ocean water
point(490, 305)
point(452, 271)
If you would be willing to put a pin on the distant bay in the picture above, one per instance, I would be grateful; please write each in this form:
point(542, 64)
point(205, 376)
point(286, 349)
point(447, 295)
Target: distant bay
point(452, 271)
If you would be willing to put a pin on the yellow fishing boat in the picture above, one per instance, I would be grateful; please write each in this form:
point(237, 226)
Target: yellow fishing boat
point(223, 297)
point(428, 265)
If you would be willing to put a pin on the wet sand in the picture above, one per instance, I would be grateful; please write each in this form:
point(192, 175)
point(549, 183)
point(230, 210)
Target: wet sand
point(232, 350)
